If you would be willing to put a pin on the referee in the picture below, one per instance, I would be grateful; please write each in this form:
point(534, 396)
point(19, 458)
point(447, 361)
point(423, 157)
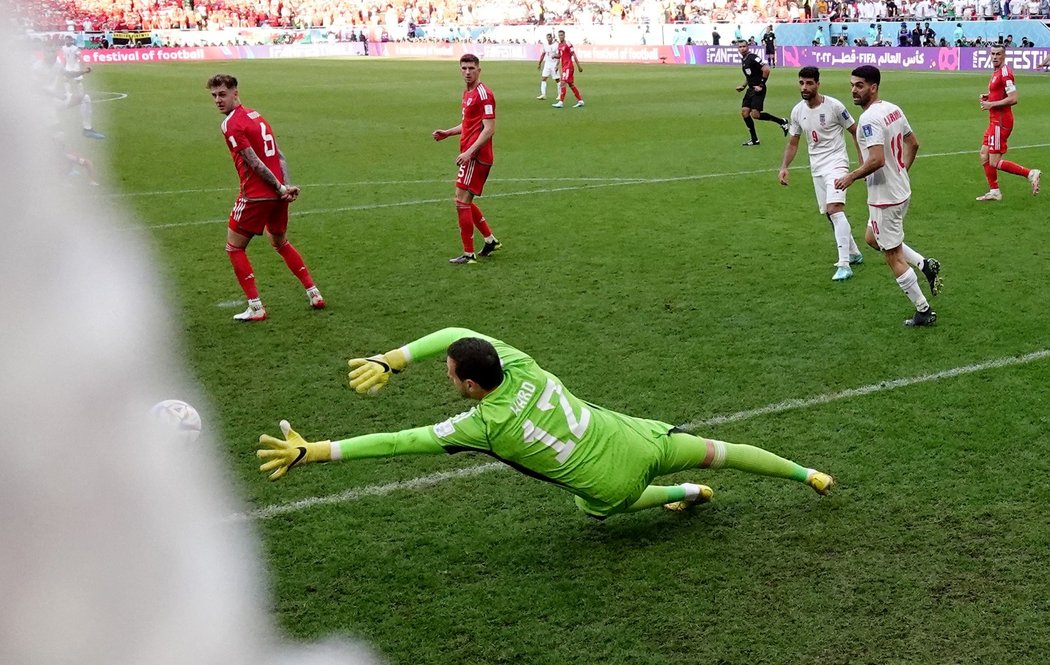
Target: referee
point(754, 88)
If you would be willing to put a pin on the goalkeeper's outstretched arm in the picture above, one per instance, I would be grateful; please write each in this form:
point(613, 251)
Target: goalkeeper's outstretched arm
point(280, 455)
point(368, 375)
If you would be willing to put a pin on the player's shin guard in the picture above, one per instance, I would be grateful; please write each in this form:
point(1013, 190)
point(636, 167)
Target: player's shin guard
point(466, 226)
point(242, 268)
point(909, 283)
point(294, 261)
point(543, 88)
point(561, 92)
point(992, 175)
point(479, 220)
point(843, 236)
point(743, 457)
point(1012, 167)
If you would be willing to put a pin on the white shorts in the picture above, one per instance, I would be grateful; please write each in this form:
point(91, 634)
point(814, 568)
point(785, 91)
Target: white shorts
point(824, 187)
point(887, 224)
point(550, 69)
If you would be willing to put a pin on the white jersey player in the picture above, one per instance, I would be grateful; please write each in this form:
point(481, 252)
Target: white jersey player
point(548, 64)
point(887, 148)
point(823, 121)
point(75, 94)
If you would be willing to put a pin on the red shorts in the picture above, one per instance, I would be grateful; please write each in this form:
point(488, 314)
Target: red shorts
point(472, 176)
point(567, 75)
point(995, 138)
point(249, 218)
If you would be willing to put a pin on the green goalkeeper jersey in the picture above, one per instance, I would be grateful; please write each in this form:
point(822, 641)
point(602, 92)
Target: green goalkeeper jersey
point(533, 423)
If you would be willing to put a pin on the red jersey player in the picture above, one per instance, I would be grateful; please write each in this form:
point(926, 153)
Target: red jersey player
point(262, 205)
point(998, 101)
point(567, 55)
point(474, 160)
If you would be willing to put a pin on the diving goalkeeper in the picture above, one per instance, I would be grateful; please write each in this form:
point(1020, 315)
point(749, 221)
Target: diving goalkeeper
point(527, 419)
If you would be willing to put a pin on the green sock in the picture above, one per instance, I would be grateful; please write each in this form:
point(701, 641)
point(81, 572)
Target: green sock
point(755, 460)
point(657, 495)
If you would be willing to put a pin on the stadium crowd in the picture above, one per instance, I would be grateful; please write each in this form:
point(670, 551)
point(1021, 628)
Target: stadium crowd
point(102, 15)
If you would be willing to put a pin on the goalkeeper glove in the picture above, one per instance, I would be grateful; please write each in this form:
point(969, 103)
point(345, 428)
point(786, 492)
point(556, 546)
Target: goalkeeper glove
point(293, 450)
point(368, 375)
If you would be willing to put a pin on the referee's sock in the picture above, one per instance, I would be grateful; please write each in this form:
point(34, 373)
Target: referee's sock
point(771, 118)
point(750, 122)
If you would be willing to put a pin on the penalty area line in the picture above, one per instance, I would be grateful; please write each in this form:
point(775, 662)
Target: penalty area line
point(787, 405)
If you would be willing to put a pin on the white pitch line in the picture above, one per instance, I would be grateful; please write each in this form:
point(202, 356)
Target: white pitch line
point(370, 490)
point(547, 190)
point(779, 407)
point(792, 404)
point(116, 96)
point(614, 180)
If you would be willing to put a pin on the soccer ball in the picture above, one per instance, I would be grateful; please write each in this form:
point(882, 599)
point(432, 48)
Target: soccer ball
point(180, 417)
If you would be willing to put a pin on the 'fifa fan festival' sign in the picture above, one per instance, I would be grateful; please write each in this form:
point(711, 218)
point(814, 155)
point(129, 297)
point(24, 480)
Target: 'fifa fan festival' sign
point(946, 59)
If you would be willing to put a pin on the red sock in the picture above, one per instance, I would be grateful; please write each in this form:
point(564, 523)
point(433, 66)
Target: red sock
point(479, 220)
point(242, 268)
point(1012, 167)
point(992, 174)
point(575, 91)
point(294, 261)
point(466, 226)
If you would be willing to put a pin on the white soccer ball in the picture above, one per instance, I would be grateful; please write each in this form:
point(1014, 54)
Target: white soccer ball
point(180, 417)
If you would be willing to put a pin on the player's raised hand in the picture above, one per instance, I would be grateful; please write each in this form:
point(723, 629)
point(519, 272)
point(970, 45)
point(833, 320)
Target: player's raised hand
point(281, 455)
point(368, 375)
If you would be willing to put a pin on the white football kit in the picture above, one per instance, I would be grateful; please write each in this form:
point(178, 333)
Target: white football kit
point(889, 188)
point(550, 60)
point(823, 129)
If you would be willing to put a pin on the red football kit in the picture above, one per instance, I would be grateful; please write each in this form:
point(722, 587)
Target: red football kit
point(565, 54)
point(478, 104)
point(1000, 119)
point(258, 206)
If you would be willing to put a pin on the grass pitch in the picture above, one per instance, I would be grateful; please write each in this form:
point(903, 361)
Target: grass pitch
point(658, 268)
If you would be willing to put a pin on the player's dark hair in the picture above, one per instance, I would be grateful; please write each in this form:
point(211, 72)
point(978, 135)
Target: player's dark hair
point(223, 81)
point(476, 359)
point(470, 57)
point(998, 47)
point(869, 73)
point(809, 73)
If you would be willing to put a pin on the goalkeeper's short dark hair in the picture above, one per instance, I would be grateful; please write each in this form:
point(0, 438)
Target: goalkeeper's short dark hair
point(476, 359)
